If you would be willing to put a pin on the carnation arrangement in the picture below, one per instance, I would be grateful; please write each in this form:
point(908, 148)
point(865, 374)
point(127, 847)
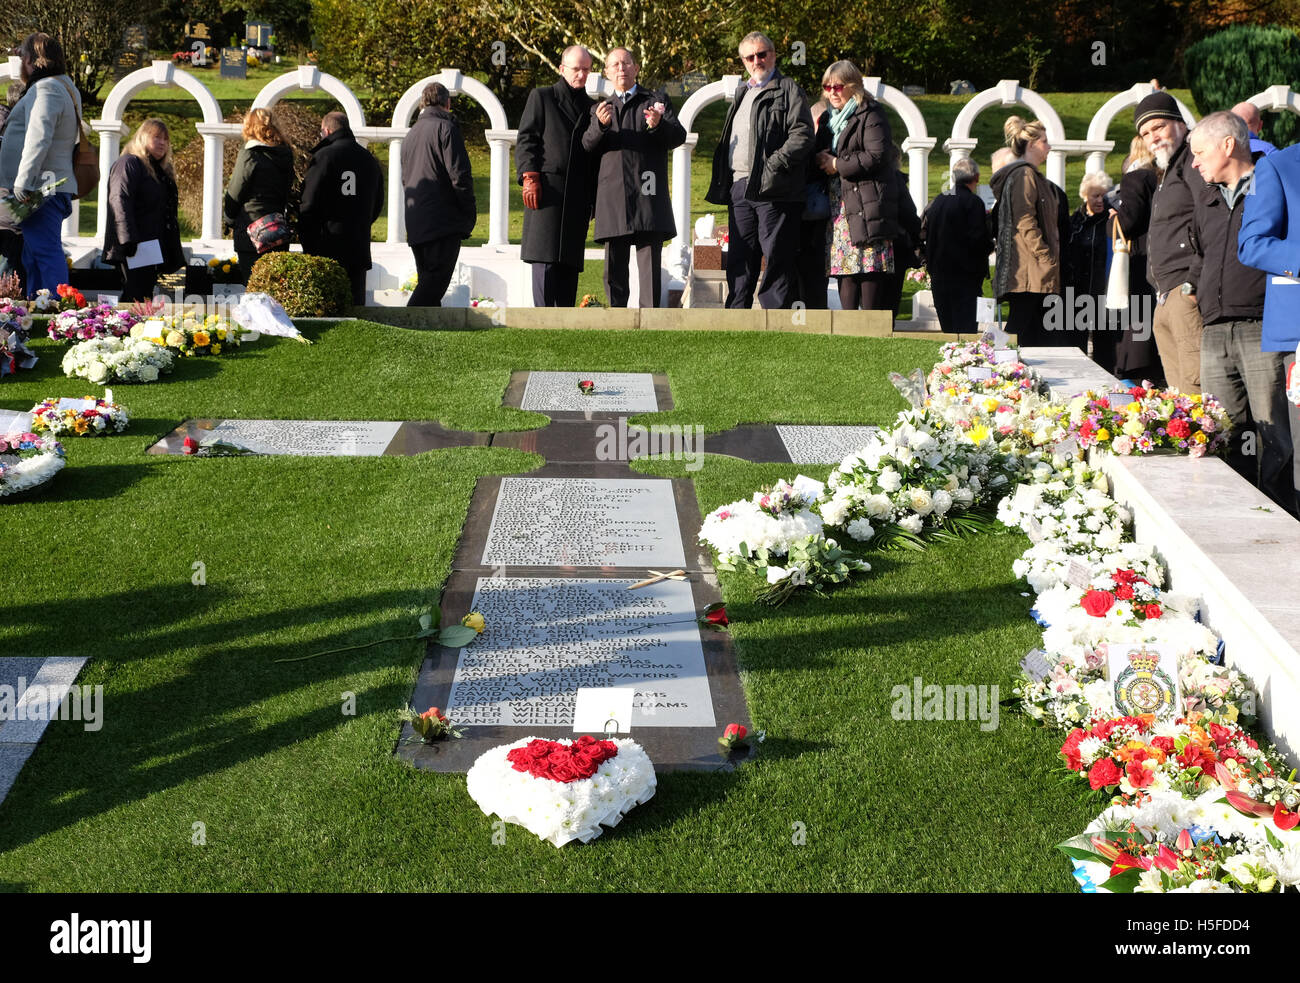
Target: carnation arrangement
point(1143, 419)
point(91, 417)
point(26, 461)
point(99, 321)
point(190, 334)
point(562, 791)
point(108, 360)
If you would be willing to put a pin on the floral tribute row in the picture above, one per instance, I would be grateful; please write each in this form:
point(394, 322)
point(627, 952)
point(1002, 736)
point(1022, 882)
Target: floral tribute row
point(1155, 723)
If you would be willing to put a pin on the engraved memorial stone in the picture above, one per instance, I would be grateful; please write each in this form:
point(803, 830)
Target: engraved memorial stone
point(306, 438)
point(823, 445)
point(615, 392)
point(234, 63)
point(547, 637)
point(584, 522)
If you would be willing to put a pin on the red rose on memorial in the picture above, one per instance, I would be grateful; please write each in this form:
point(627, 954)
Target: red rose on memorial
point(1124, 592)
point(1097, 602)
point(1152, 611)
point(1104, 774)
point(1179, 428)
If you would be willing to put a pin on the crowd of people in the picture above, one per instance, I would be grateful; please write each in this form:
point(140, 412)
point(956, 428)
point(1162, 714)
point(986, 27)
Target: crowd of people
point(812, 192)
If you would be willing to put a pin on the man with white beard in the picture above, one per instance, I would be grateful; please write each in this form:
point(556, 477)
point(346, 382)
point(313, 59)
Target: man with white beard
point(1171, 252)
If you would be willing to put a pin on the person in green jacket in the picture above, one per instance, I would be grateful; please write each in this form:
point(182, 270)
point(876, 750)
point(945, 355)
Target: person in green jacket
point(259, 184)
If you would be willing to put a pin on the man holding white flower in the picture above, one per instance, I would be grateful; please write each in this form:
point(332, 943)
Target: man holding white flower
point(631, 135)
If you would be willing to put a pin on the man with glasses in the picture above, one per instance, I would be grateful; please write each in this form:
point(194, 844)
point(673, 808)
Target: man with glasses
point(758, 173)
point(555, 172)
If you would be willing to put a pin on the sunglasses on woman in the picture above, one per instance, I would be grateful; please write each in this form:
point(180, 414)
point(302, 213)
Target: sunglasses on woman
point(836, 87)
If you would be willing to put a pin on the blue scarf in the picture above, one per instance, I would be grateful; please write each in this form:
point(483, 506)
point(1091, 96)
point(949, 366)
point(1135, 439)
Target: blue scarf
point(840, 119)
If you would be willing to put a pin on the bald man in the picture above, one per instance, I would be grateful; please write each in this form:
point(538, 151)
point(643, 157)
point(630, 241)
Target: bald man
point(1248, 112)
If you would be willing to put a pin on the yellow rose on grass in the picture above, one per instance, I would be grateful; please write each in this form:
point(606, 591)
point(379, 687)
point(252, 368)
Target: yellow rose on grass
point(474, 620)
point(201, 338)
point(175, 339)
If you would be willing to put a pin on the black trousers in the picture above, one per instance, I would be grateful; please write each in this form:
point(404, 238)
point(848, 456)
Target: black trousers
point(955, 303)
point(555, 285)
point(813, 250)
point(137, 284)
point(1025, 319)
point(761, 229)
point(649, 251)
point(435, 261)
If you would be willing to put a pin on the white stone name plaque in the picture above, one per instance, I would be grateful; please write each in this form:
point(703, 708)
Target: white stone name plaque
point(306, 438)
point(823, 445)
point(584, 522)
point(548, 637)
point(615, 392)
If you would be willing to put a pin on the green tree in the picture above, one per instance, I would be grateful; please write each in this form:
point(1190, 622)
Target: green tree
point(1231, 66)
point(90, 31)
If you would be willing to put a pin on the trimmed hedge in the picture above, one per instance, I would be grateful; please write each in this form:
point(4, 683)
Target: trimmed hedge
point(305, 286)
point(1231, 66)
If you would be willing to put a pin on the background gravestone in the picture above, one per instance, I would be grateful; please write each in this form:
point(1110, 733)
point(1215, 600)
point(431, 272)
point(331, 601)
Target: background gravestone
point(134, 53)
point(234, 63)
point(258, 34)
point(198, 38)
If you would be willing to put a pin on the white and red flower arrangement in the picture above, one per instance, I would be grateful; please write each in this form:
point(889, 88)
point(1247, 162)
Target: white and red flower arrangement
point(1142, 419)
point(562, 790)
point(89, 417)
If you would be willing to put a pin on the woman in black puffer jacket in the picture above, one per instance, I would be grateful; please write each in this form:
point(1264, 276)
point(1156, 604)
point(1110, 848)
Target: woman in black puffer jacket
point(142, 206)
point(864, 201)
point(259, 184)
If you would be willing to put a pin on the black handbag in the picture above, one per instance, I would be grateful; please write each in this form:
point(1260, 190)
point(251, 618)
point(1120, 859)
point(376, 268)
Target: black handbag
point(817, 203)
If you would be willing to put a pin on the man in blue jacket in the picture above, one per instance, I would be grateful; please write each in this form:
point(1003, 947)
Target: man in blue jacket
point(1269, 243)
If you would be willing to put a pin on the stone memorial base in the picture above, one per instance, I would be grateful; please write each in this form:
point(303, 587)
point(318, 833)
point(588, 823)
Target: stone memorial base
point(321, 438)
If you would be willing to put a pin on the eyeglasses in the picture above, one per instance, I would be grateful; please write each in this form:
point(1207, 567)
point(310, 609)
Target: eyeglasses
point(836, 87)
point(756, 56)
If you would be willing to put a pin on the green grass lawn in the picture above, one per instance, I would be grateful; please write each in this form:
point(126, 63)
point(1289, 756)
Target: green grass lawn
point(201, 725)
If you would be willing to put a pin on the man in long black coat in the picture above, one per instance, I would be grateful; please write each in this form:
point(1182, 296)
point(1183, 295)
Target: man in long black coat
point(342, 195)
point(555, 172)
point(438, 189)
point(957, 245)
point(631, 134)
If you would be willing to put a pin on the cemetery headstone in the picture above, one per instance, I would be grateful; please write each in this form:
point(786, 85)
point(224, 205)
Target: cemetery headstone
point(198, 38)
point(692, 81)
point(913, 90)
point(961, 87)
point(234, 63)
point(258, 34)
point(125, 62)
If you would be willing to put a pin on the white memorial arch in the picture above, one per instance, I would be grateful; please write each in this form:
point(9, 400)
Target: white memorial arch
point(1097, 146)
point(1010, 92)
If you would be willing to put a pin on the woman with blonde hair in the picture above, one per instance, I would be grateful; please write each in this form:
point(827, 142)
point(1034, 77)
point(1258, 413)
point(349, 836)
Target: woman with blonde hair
point(259, 186)
point(142, 208)
point(1027, 226)
point(864, 198)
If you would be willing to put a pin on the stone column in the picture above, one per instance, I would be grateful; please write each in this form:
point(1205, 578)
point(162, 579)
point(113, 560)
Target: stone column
point(214, 155)
point(501, 177)
point(110, 133)
point(679, 248)
point(396, 199)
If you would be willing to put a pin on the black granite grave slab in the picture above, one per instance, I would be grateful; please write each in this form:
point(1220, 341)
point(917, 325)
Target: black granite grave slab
point(670, 748)
point(609, 440)
point(757, 442)
point(412, 437)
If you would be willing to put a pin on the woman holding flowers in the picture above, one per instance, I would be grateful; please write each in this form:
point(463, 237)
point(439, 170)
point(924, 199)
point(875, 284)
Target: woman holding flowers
point(142, 207)
point(864, 202)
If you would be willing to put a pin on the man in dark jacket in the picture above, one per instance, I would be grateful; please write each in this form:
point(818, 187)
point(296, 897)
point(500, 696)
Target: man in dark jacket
point(556, 174)
point(631, 135)
point(758, 173)
point(438, 189)
point(955, 230)
point(342, 195)
point(1249, 382)
point(1170, 252)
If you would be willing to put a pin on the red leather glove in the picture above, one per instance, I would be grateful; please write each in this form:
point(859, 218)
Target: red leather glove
point(532, 189)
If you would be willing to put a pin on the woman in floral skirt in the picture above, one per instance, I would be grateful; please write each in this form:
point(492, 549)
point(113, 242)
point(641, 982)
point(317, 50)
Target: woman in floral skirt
point(864, 204)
